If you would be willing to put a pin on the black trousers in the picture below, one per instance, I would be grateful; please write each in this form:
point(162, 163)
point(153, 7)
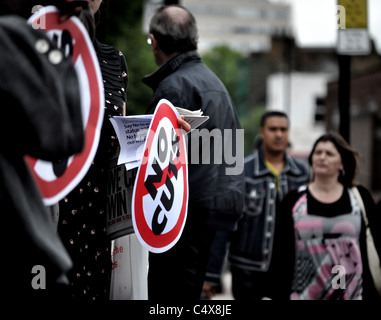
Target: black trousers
point(179, 273)
point(249, 285)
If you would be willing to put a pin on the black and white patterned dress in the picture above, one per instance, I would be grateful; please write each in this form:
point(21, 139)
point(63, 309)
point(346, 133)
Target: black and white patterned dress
point(82, 223)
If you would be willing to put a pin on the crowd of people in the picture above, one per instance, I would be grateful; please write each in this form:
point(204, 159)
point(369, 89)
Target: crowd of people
point(291, 241)
point(282, 223)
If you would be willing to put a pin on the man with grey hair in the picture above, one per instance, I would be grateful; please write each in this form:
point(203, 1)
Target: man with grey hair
point(216, 195)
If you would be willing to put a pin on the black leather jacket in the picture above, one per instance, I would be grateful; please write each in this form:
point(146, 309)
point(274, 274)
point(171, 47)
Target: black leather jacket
point(187, 83)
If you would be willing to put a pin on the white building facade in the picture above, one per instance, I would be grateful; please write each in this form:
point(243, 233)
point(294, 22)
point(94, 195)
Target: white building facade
point(243, 25)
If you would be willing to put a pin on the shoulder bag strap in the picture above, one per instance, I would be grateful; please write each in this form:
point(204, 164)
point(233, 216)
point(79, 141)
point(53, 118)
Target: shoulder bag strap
point(373, 258)
point(361, 203)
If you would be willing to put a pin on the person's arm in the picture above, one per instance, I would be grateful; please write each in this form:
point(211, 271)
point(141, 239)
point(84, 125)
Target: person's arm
point(216, 264)
point(124, 72)
point(374, 216)
point(283, 256)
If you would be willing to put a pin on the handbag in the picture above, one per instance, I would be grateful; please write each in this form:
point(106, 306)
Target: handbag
point(373, 258)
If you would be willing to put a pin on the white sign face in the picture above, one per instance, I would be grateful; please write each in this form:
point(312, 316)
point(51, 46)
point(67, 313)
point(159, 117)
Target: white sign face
point(56, 181)
point(353, 36)
point(353, 42)
point(160, 198)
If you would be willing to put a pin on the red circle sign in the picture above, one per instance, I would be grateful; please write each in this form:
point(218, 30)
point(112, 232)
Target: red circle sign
point(52, 187)
point(160, 197)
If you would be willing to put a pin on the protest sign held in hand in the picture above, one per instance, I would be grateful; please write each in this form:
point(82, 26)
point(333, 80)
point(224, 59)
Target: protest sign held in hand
point(56, 180)
point(132, 133)
point(160, 197)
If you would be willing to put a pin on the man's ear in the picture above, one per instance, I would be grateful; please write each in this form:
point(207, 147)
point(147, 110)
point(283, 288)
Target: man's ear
point(261, 132)
point(154, 43)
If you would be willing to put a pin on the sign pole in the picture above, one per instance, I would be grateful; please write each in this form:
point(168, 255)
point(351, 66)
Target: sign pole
point(353, 39)
point(344, 95)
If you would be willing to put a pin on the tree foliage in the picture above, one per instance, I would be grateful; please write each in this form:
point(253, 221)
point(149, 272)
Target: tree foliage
point(121, 26)
point(233, 69)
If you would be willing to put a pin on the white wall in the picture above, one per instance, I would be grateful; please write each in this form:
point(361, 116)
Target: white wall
point(296, 94)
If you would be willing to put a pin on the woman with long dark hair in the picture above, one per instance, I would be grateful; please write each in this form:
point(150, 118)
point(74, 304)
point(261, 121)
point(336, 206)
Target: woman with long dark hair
point(323, 251)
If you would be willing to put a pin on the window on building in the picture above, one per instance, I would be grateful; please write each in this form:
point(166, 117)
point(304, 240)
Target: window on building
point(320, 110)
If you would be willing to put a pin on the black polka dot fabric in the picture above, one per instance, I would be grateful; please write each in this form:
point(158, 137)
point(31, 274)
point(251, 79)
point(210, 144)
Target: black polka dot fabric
point(82, 223)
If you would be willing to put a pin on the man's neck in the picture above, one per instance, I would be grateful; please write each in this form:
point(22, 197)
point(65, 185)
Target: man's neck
point(163, 58)
point(276, 159)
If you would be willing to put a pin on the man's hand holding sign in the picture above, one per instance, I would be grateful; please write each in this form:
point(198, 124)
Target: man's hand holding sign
point(160, 197)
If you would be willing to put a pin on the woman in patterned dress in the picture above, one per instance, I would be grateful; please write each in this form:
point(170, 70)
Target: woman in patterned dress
point(82, 222)
point(323, 253)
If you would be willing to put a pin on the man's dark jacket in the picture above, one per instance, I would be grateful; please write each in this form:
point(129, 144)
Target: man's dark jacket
point(187, 83)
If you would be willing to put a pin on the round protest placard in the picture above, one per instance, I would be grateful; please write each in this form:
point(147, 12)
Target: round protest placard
point(56, 180)
point(160, 197)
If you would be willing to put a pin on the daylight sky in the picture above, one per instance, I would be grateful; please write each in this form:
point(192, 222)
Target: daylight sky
point(315, 21)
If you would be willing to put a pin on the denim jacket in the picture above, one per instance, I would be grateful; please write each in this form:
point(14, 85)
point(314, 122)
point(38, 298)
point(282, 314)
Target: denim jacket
point(252, 243)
